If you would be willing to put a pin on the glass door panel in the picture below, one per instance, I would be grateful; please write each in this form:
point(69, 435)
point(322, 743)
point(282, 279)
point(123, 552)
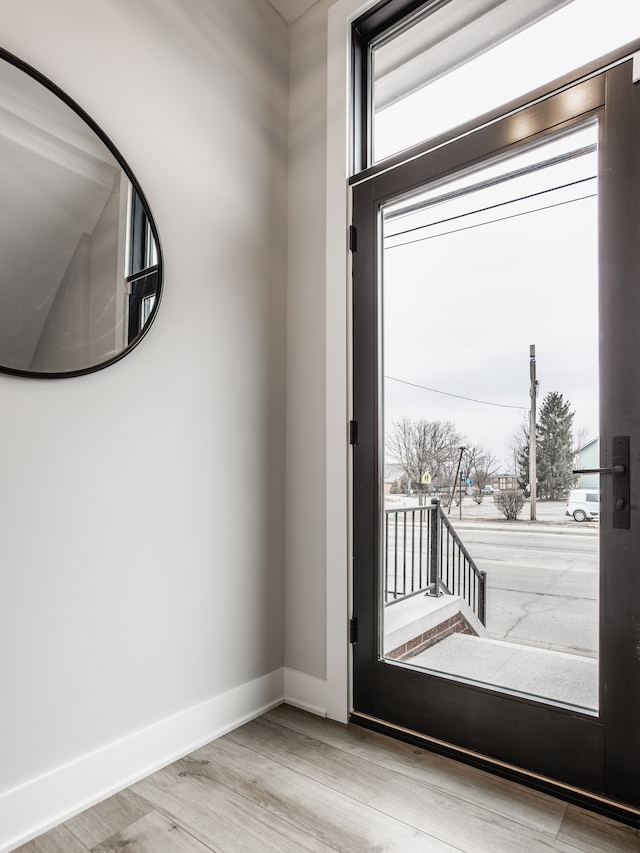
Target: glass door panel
point(489, 318)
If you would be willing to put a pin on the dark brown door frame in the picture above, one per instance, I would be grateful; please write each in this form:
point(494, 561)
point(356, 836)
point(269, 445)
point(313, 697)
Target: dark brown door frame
point(580, 751)
point(619, 251)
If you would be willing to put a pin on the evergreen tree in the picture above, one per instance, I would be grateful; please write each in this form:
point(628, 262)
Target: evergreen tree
point(554, 447)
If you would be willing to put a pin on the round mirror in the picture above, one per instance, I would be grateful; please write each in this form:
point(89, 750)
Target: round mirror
point(81, 269)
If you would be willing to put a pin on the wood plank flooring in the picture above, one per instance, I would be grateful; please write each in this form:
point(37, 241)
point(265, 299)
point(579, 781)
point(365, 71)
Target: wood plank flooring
point(290, 782)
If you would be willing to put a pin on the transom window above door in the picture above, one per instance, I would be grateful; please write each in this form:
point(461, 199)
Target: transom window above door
point(425, 68)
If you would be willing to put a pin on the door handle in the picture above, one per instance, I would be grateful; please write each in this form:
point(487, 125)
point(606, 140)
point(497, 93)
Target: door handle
point(621, 516)
point(617, 469)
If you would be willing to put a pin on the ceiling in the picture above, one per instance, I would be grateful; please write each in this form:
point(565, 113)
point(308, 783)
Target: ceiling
point(292, 9)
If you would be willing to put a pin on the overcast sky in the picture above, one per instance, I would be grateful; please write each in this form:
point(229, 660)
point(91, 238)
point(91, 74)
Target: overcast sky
point(467, 290)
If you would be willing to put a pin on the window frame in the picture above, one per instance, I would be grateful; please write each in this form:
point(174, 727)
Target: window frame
point(365, 32)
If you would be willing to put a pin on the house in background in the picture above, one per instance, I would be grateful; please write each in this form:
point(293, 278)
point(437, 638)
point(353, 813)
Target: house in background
point(588, 456)
point(504, 482)
point(395, 479)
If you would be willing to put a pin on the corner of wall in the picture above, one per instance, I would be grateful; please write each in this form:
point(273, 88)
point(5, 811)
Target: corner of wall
point(42, 803)
point(305, 691)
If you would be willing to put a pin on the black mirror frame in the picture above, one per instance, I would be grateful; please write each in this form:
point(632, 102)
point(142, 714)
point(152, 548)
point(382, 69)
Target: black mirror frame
point(86, 118)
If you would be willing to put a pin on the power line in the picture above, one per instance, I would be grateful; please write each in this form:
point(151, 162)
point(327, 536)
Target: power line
point(488, 222)
point(458, 396)
point(493, 207)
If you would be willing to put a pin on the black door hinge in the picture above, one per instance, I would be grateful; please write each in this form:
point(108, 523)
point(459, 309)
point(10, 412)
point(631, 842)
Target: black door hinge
point(353, 432)
point(353, 238)
point(353, 630)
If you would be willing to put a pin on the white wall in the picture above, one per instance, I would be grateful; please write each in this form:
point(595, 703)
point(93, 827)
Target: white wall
point(84, 323)
point(142, 507)
point(64, 341)
point(318, 317)
point(305, 611)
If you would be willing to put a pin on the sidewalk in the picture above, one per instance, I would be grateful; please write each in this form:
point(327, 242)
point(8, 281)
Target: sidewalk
point(550, 515)
point(540, 673)
point(559, 528)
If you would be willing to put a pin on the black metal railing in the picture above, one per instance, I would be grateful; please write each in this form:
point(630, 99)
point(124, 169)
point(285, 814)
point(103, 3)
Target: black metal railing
point(424, 554)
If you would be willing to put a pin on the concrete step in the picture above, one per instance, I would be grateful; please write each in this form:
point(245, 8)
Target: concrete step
point(412, 617)
point(542, 673)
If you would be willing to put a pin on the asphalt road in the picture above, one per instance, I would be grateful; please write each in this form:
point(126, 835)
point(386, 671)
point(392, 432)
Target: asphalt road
point(542, 580)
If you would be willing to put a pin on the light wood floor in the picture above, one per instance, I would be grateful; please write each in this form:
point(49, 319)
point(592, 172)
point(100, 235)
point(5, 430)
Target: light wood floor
point(290, 781)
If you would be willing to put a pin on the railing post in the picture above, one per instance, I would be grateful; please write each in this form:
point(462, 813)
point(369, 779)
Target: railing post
point(482, 598)
point(434, 548)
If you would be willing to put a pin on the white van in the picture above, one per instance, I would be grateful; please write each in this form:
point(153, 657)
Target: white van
point(584, 504)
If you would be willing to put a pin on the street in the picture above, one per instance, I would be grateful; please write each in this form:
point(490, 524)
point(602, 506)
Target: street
point(542, 580)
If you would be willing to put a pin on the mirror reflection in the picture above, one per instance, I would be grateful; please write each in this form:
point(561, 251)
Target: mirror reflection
point(80, 275)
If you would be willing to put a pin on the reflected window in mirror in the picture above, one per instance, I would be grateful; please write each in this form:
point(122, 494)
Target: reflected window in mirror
point(143, 267)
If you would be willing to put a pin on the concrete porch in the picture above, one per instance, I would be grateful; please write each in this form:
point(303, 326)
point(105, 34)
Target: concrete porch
point(426, 631)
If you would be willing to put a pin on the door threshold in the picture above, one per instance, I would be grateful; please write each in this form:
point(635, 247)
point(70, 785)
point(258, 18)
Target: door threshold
point(577, 796)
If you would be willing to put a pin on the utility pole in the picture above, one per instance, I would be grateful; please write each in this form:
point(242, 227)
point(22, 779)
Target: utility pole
point(455, 483)
point(533, 393)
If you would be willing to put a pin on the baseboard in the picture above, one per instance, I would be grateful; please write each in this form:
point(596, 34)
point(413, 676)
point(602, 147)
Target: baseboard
point(305, 691)
point(42, 803)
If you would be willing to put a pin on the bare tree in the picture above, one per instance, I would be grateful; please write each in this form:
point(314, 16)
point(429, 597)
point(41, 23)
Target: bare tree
point(423, 448)
point(580, 437)
point(481, 465)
